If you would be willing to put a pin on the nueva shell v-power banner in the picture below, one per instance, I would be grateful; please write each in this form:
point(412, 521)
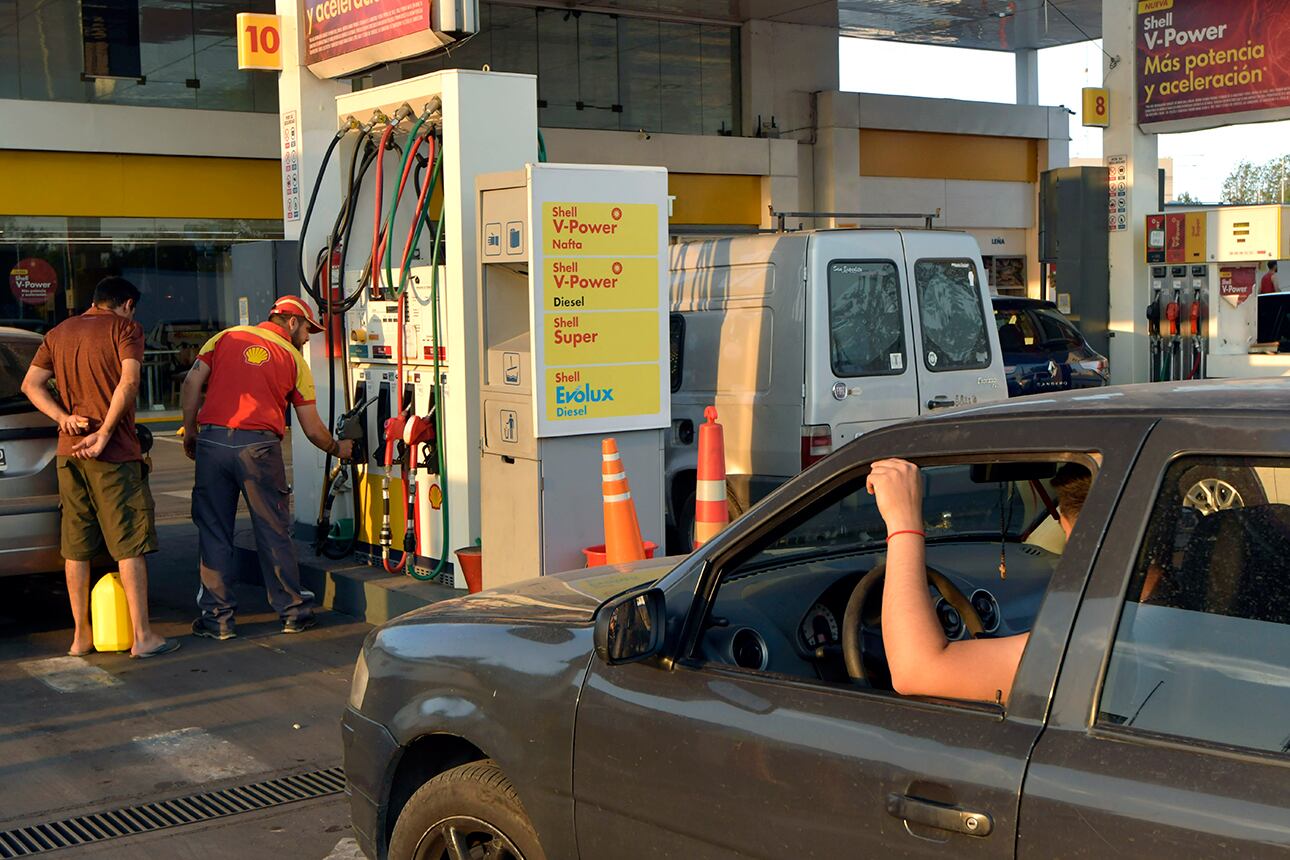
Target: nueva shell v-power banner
point(1206, 63)
point(344, 37)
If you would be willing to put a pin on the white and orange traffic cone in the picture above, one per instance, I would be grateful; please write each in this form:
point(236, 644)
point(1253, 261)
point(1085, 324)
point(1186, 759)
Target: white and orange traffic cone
point(622, 530)
point(710, 512)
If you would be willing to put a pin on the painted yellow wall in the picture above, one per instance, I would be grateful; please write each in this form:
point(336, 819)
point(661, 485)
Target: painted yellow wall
point(140, 186)
point(705, 198)
point(927, 155)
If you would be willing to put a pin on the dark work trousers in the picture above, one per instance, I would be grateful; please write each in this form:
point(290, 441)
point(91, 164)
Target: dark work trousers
point(247, 463)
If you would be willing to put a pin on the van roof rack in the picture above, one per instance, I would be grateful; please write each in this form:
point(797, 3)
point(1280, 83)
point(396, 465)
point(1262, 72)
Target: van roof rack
point(926, 216)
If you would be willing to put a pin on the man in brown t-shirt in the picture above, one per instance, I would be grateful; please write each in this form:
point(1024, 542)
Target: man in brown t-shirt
point(95, 359)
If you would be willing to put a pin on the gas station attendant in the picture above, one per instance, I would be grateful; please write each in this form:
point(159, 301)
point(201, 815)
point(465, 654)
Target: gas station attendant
point(234, 430)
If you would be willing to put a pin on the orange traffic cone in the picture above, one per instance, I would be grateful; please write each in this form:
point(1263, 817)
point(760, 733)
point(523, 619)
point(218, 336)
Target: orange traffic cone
point(710, 512)
point(622, 531)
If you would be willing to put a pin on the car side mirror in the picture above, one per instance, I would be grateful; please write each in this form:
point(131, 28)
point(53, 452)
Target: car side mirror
point(630, 628)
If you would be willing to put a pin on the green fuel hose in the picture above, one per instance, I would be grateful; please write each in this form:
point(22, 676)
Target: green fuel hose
point(438, 398)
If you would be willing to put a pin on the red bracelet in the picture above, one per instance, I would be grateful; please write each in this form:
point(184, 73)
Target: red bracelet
point(906, 532)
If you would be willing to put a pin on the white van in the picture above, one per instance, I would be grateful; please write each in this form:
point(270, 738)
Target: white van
point(806, 340)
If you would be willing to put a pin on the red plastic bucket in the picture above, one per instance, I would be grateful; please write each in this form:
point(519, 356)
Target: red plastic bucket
point(596, 554)
point(472, 567)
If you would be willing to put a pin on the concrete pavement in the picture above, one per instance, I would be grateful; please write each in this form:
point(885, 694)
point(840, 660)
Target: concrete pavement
point(80, 735)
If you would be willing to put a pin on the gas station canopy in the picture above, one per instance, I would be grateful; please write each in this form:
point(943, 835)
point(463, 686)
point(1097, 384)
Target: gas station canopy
point(994, 25)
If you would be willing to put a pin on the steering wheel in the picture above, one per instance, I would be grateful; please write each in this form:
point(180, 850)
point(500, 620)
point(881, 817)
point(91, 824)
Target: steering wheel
point(853, 641)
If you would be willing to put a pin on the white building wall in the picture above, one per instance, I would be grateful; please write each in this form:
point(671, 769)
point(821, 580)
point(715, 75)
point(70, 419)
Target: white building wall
point(73, 127)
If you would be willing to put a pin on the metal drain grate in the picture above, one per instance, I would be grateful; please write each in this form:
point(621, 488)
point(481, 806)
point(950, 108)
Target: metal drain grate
point(148, 817)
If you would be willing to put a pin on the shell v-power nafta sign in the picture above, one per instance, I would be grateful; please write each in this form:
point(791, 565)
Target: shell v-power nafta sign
point(574, 299)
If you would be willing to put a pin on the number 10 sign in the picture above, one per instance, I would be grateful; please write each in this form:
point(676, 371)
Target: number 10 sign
point(259, 41)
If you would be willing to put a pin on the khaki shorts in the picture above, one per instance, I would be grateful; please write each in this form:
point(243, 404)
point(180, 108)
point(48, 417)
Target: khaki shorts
point(105, 504)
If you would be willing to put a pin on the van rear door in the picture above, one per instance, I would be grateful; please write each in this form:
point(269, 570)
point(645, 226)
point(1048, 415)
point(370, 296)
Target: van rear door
point(858, 347)
point(956, 344)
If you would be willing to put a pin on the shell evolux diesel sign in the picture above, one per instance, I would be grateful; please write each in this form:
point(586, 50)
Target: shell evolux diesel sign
point(342, 37)
point(1206, 63)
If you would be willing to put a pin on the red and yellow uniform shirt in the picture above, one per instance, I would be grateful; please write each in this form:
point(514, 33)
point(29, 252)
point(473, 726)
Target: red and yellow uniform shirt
point(255, 372)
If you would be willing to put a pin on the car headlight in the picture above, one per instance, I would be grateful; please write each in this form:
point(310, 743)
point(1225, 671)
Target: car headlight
point(358, 686)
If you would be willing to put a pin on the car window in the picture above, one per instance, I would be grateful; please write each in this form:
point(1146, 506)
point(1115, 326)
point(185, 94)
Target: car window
point(1202, 650)
point(1018, 332)
point(15, 358)
point(957, 503)
point(990, 529)
point(866, 319)
point(953, 321)
point(1058, 330)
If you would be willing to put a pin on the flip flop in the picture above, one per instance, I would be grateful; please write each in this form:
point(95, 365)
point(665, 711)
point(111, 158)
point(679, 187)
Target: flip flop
point(164, 648)
point(84, 653)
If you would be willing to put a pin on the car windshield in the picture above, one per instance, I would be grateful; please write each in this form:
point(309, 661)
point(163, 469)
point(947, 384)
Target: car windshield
point(15, 358)
point(1058, 330)
point(961, 502)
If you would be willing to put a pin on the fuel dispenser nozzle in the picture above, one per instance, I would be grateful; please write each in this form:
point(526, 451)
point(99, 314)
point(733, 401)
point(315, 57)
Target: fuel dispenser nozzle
point(348, 426)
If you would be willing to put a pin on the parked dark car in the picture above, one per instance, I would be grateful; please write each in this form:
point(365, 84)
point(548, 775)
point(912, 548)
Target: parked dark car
point(1043, 351)
point(704, 707)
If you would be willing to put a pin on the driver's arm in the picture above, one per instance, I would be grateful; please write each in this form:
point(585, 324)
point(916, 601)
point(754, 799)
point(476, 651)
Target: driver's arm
point(922, 661)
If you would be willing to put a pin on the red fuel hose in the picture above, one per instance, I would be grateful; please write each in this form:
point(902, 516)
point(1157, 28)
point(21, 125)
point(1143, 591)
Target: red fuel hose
point(403, 182)
point(376, 210)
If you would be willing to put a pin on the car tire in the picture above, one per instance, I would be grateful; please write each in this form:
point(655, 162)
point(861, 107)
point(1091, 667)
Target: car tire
point(1222, 481)
point(478, 802)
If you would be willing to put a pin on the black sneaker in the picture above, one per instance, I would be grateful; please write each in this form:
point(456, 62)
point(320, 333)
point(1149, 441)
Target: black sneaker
point(299, 625)
point(200, 629)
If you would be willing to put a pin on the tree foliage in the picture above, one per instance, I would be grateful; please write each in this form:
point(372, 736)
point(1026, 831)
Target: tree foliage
point(1187, 198)
point(1258, 183)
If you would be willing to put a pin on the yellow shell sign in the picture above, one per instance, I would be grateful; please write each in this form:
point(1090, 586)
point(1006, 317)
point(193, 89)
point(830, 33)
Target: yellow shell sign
point(255, 355)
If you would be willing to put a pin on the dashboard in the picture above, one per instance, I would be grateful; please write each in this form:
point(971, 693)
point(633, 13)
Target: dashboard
point(788, 618)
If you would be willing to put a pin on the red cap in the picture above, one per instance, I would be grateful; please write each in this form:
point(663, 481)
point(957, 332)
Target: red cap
point(296, 306)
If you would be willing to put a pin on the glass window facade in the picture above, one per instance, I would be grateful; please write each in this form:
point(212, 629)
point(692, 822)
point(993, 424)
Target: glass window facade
point(183, 267)
point(609, 72)
point(181, 54)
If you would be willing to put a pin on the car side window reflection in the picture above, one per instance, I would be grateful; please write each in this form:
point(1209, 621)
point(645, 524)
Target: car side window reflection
point(1202, 650)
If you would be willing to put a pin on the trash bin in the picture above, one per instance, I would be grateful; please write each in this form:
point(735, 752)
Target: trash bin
point(472, 567)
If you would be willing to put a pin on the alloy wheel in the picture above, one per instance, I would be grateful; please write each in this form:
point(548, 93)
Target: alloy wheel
point(463, 837)
point(1213, 494)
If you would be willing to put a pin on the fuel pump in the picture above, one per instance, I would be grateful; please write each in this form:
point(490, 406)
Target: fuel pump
point(1199, 318)
point(395, 278)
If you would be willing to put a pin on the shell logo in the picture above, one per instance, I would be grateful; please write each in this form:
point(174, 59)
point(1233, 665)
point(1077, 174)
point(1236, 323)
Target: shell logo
point(255, 355)
point(436, 497)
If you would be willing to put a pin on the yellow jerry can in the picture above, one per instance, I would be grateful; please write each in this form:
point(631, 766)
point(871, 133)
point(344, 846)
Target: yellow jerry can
point(110, 615)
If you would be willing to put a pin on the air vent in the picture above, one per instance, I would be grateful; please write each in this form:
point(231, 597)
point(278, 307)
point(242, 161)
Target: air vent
point(987, 609)
point(748, 649)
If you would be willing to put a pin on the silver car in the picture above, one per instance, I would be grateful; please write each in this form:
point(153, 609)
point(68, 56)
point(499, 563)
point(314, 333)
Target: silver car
point(28, 470)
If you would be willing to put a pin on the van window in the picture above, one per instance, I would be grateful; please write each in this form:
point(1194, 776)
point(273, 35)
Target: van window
point(866, 329)
point(949, 306)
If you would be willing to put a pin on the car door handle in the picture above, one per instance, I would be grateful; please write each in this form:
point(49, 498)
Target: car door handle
point(940, 402)
point(939, 815)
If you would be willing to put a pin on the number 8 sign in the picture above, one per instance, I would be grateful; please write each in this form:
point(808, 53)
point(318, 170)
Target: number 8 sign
point(1096, 107)
point(259, 41)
